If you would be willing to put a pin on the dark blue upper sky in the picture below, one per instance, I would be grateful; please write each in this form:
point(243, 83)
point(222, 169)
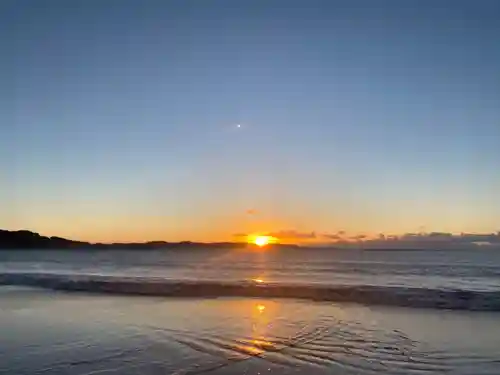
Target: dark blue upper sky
point(118, 118)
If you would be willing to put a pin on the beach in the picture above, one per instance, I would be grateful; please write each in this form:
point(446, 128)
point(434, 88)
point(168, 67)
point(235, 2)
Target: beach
point(78, 333)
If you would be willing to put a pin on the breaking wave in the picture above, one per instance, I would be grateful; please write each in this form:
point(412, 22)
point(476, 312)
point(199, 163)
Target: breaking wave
point(455, 299)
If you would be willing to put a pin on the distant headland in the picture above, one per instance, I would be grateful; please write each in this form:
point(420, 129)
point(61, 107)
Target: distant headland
point(25, 239)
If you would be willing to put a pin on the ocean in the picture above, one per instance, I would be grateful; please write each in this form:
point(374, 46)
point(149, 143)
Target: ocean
point(249, 311)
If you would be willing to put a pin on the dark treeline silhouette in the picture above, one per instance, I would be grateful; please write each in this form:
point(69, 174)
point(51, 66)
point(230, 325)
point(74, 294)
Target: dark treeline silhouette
point(24, 239)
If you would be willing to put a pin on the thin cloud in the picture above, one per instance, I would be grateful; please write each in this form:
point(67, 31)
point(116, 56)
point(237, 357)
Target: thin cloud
point(340, 235)
point(292, 234)
point(288, 235)
point(334, 237)
point(432, 240)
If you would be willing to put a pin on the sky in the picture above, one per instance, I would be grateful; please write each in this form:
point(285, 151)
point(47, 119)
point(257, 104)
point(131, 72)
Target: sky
point(119, 118)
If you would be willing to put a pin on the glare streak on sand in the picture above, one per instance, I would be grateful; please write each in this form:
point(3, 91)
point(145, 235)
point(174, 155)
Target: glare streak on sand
point(314, 347)
point(231, 336)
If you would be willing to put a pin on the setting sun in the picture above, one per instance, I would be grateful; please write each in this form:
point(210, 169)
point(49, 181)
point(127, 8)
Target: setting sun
point(261, 241)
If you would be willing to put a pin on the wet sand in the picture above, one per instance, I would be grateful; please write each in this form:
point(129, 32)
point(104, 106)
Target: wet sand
point(46, 332)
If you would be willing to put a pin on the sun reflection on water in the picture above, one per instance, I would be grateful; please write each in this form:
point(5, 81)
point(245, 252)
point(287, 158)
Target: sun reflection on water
point(262, 317)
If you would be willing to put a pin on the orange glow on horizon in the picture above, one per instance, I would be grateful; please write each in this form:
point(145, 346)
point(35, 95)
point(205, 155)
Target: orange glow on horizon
point(261, 241)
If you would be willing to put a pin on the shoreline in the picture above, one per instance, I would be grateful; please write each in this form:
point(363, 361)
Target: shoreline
point(362, 294)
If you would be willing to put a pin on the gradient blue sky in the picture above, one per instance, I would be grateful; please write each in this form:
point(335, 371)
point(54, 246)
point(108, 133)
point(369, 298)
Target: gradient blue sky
point(118, 118)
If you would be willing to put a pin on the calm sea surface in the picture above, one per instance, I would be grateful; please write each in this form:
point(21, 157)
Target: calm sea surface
point(469, 270)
